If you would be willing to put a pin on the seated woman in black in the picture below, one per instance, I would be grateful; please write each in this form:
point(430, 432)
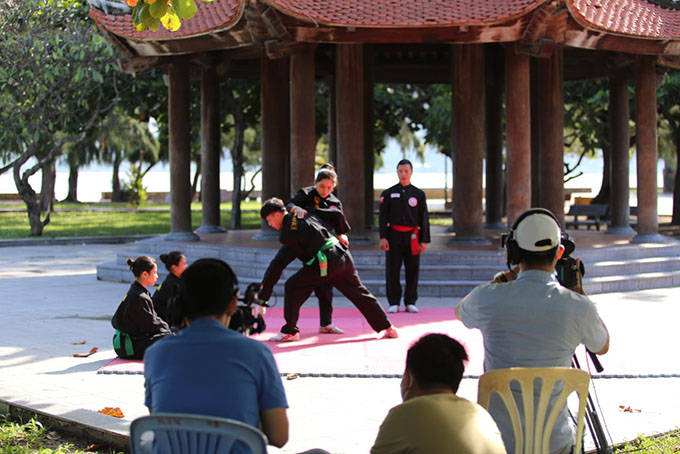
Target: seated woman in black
point(176, 263)
point(136, 323)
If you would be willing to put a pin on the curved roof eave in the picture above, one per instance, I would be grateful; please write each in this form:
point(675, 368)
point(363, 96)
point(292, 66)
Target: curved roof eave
point(211, 17)
point(627, 18)
point(404, 13)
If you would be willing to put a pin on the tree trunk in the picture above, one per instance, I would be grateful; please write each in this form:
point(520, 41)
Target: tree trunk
point(604, 196)
point(115, 179)
point(194, 184)
point(49, 176)
point(237, 160)
point(30, 198)
point(72, 183)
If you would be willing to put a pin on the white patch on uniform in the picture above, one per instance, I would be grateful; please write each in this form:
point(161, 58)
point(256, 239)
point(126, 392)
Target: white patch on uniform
point(395, 195)
point(412, 201)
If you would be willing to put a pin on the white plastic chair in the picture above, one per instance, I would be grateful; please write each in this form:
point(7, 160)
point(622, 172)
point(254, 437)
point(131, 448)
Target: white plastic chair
point(537, 432)
point(170, 433)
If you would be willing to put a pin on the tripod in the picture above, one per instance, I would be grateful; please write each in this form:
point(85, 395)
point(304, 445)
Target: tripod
point(593, 422)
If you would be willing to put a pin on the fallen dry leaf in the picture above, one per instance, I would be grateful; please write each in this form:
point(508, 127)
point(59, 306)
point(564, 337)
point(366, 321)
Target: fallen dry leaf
point(93, 448)
point(112, 411)
point(79, 343)
point(92, 351)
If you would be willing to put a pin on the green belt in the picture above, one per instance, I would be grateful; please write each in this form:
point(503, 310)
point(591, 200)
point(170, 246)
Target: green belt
point(323, 260)
point(129, 351)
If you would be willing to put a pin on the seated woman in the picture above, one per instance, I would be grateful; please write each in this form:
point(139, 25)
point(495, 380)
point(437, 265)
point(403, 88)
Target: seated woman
point(136, 323)
point(176, 263)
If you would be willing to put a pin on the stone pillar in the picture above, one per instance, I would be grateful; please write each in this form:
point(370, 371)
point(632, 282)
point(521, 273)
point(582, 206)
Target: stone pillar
point(518, 118)
point(349, 89)
point(302, 131)
point(468, 154)
point(275, 108)
point(535, 133)
point(210, 151)
point(619, 114)
point(646, 150)
point(332, 124)
point(179, 143)
point(551, 139)
point(494, 139)
point(369, 132)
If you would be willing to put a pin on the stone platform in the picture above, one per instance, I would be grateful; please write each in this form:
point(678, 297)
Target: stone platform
point(613, 263)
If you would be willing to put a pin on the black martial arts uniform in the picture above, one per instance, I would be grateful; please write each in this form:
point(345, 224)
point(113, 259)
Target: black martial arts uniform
point(162, 299)
point(309, 199)
point(136, 323)
point(403, 214)
point(303, 239)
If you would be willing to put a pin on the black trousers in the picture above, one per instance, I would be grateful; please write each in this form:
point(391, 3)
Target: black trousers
point(341, 275)
point(325, 295)
point(395, 256)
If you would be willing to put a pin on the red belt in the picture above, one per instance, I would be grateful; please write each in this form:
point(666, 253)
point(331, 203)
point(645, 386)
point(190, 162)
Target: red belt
point(415, 246)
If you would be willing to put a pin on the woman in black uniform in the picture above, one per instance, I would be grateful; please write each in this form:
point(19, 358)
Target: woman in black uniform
point(176, 263)
point(320, 200)
point(136, 323)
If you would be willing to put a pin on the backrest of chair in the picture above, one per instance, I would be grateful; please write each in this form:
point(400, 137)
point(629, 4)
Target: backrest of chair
point(192, 434)
point(537, 429)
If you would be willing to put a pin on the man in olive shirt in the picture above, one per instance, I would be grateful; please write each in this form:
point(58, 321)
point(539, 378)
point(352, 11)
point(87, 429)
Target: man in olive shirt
point(432, 419)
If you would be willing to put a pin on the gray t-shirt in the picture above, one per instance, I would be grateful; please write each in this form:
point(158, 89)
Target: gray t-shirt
point(532, 322)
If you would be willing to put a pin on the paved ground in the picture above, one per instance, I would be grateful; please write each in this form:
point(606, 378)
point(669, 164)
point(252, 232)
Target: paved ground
point(49, 298)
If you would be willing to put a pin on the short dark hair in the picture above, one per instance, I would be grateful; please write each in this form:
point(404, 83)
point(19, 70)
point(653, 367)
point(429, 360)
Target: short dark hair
point(206, 288)
point(140, 264)
point(270, 206)
point(404, 162)
point(171, 259)
point(436, 359)
point(538, 259)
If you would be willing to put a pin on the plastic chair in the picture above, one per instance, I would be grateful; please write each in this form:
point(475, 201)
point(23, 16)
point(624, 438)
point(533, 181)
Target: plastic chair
point(536, 436)
point(179, 433)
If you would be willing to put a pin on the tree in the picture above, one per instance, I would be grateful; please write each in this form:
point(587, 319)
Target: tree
point(586, 121)
point(241, 120)
point(57, 79)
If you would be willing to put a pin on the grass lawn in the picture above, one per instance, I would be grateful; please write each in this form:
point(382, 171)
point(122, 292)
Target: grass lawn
point(33, 438)
point(101, 219)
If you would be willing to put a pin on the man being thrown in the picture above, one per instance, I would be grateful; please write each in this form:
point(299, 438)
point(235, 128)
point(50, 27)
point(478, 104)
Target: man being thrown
point(326, 261)
point(432, 419)
point(532, 321)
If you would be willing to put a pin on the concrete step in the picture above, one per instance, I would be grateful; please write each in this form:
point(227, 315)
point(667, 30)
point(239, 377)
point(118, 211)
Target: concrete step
point(443, 273)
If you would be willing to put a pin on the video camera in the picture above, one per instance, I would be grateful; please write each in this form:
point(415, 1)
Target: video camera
point(567, 268)
point(248, 318)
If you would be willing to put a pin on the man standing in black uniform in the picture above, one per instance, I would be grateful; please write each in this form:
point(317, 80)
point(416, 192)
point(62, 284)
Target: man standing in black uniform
point(326, 261)
point(404, 234)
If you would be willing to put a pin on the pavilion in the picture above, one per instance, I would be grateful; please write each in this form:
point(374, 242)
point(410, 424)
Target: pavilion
point(519, 50)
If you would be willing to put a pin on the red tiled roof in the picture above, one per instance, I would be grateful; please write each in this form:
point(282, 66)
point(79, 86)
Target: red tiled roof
point(210, 17)
point(638, 18)
point(404, 13)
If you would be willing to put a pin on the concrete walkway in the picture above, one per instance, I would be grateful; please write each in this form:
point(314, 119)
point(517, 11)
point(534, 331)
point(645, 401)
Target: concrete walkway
point(50, 299)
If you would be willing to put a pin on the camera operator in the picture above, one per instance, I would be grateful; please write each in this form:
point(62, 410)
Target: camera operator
point(528, 319)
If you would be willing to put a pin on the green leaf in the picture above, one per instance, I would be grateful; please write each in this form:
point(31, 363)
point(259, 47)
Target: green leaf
point(186, 9)
point(158, 9)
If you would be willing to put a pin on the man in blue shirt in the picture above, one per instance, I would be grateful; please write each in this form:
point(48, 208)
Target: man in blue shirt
point(208, 369)
point(533, 321)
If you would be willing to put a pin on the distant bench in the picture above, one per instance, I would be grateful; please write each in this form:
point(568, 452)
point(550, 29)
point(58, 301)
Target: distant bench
point(592, 215)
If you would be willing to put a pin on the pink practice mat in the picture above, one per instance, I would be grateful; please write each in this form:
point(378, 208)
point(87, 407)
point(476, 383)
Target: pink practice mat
point(122, 366)
point(360, 351)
